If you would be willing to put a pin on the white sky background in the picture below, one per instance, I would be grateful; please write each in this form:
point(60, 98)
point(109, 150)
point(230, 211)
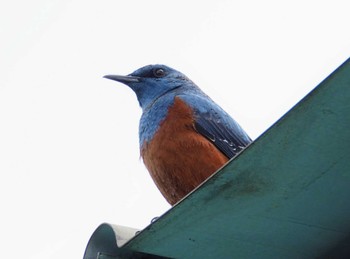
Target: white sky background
point(69, 156)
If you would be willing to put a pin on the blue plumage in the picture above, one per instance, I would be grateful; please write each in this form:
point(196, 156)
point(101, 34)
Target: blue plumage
point(215, 124)
point(159, 90)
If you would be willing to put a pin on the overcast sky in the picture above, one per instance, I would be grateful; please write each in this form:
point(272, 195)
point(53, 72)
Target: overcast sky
point(69, 157)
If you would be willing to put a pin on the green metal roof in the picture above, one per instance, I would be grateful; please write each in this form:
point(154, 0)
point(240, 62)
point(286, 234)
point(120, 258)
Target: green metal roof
point(287, 195)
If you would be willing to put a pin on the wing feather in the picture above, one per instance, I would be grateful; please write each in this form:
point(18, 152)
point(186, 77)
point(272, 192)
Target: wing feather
point(217, 126)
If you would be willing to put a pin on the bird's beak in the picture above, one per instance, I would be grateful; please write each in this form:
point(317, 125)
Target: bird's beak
point(123, 79)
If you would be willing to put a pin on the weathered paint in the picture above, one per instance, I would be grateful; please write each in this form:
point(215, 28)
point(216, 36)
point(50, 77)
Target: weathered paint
point(285, 196)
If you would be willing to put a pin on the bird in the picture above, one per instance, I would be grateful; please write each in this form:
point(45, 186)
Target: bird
point(184, 136)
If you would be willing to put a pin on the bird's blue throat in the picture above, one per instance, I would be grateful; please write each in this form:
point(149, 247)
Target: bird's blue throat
point(153, 116)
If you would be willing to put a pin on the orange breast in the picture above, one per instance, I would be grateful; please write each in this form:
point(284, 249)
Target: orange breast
point(178, 158)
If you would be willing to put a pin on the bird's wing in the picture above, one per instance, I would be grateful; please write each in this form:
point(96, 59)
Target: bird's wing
point(217, 126)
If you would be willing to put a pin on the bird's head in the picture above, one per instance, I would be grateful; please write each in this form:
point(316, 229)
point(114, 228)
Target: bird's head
point(152, 81)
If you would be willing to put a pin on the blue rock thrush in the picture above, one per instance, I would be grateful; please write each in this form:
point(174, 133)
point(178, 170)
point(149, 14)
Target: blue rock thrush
point(184, 136)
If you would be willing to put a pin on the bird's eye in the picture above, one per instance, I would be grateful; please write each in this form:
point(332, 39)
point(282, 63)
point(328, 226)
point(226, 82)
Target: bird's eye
point(159, 72)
